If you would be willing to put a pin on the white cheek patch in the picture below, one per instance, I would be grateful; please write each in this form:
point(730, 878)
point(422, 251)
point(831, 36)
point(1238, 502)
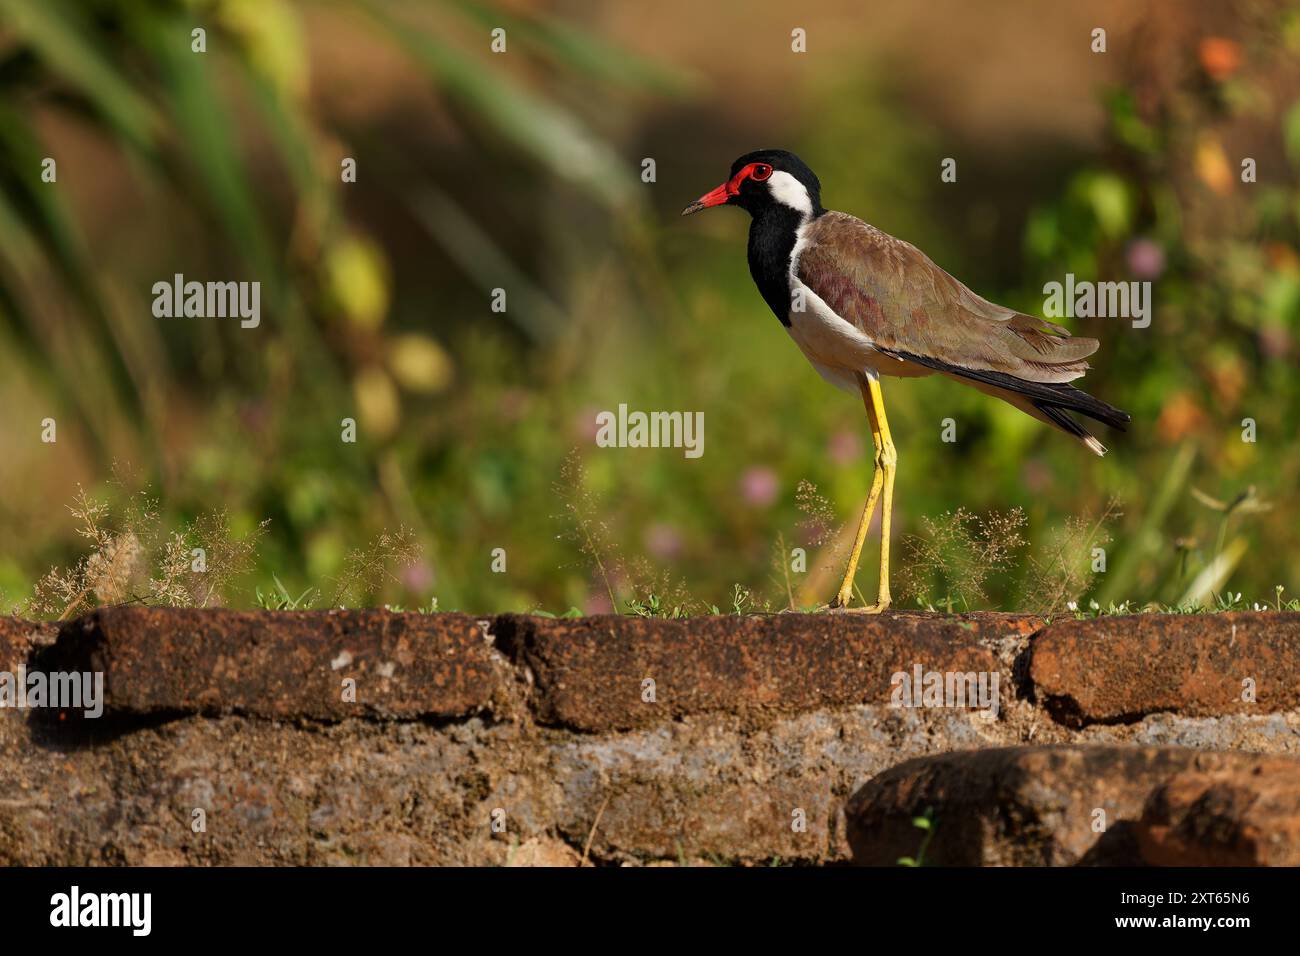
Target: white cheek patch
point(788, 191)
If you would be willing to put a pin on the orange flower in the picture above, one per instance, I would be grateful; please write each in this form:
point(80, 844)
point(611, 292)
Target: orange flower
point(1228, 378)
point(1212, 164)
point(1282, 257)
point(1219, 57)
point(1180, 417)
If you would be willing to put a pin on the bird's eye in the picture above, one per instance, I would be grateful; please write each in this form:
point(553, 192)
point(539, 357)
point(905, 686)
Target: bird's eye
point(761, 171)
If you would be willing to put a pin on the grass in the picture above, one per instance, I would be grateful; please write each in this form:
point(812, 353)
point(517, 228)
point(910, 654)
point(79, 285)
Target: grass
point(135, 557)
point(1222, 603)
point(279, 599)
point(132, 557)
point(925, 823)
point(229, 165)
point(959, 551)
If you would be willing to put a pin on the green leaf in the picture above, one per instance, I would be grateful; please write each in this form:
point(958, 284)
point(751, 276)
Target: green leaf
point(479, 255)
point(550, 134)
point(1108, 196)
point(1291, 133)
point(210, 139)
point(40, 206)
point(56, 31)
point(579, 50)
point(1129, 127)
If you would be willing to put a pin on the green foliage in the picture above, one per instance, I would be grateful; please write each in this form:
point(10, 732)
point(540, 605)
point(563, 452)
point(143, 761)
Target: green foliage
point(1220, 603)
point(957, 553)
point(927, 825)
point(653, 607)
point(478, 171)
point(279, 598)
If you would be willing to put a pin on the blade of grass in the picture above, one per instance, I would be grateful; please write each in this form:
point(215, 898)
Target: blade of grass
point(550, 134)
point(482, 259)
point(580, 51)
point(209, 138)
point(34, 216)
point(1147, 542)
point(1214, 576)
point(56, 30)
point(43, 209)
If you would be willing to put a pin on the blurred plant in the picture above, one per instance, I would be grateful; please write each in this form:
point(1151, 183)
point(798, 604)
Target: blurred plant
point(586, 528)
point(232, 146)
point(1061, 572)
point(229, 162)
point(279, 598)
point(956, 553)
point(1247, 502)
point(135, 560)
point(570, 614)
point(820, 521)
point(367, 570)
point(925, 823)
point(646, 590)
point(781, 571)
point(741, 601)
point(1197, 194)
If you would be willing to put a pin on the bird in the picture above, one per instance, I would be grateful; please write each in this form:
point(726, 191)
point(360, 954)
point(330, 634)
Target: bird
point(861, 304)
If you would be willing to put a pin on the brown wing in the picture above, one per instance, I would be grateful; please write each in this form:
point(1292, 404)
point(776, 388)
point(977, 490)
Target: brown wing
point(907, 305)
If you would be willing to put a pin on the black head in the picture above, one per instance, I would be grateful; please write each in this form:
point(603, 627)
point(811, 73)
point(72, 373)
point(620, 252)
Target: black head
point(762, 179)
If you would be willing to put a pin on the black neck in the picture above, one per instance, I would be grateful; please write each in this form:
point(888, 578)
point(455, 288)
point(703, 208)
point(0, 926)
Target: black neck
point(772, 236)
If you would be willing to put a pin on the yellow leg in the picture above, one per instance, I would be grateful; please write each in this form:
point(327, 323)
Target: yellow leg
point(845, 595)
point(882, 480)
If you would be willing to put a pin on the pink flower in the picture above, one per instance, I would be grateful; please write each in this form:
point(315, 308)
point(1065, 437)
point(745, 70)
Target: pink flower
point(1146, 258)
point(1275, 341)
point(417, 578)
point(254, 416)
point(513, 404)
point(662, 541)
point(1035, 475)
point(585, 426)
point(844, 447)
point(759, 486)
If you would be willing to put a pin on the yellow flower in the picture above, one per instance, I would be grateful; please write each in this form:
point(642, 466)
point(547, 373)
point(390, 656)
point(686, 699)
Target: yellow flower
point(419, 363)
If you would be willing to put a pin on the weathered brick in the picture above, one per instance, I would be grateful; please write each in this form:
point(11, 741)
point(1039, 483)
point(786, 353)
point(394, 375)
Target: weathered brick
point(588, 673)
point(1121, 668)
point(287, 664)
point(1023, 806)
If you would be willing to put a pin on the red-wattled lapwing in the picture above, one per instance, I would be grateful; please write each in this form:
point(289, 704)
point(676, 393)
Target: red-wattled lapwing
point(861, 304)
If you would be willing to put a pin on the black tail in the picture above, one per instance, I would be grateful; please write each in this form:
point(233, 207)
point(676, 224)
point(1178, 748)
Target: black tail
point(1077, 400)
point(1066, 422)
point(1053, 399)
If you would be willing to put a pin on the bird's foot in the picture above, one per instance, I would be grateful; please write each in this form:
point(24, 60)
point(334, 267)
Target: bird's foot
point(841, 605)
point(842, 600)
point(865, 609)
